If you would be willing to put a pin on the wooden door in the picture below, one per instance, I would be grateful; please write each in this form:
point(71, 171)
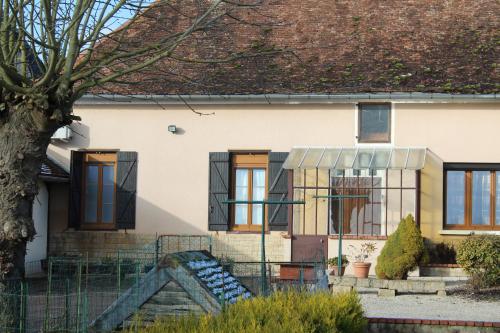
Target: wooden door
point(309, 248)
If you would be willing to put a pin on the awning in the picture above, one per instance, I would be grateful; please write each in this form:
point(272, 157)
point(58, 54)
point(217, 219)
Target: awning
point(379, 158)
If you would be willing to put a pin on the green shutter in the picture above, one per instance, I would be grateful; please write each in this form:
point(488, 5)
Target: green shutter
point(126, 188)
point(278, 191)
point(218, 212)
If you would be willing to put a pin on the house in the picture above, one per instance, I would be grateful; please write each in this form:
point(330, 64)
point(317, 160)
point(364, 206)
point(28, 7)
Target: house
point(396, 102)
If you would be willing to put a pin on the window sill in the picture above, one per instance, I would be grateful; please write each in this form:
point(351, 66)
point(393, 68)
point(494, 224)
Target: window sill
point(366, 237)
point(230, 232)
point(469, 232)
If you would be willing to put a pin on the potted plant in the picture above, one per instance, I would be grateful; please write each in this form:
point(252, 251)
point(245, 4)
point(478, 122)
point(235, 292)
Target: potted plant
point(333, 264)
point(361, 267)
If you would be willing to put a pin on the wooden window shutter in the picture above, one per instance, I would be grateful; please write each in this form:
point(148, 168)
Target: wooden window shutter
point(278, 191)
point(75, 191)
point(218, 212)
point(126, 188)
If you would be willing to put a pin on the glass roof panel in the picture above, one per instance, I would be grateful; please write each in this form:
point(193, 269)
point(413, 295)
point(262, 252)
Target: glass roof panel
point(363, 158)
point(377, 158)
point(346, 159)
point(329, 158)
point(294, 158)
point(398, 158)
point(312, 158)
point(380, 159)
point(416, 160)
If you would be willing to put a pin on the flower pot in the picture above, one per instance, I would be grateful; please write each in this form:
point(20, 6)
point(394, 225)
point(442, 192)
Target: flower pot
point(335, 270)
point(361, 269)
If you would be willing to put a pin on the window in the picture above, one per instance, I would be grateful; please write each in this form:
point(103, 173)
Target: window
point(472, 197)
point(374, 123)
point(99, 191)
point(249, 184)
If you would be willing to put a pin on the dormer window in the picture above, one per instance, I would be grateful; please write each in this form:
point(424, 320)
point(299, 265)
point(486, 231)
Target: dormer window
point(374, 123)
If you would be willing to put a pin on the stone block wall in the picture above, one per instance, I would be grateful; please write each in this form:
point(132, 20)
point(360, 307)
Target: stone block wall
point(246, 247)
point(96, 243)
point(240, 247)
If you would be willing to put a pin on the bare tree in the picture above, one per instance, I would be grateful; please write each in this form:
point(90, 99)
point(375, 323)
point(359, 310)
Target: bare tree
point(51, 53)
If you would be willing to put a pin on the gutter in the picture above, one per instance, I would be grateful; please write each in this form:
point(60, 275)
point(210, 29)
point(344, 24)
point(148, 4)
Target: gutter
point(284, 99)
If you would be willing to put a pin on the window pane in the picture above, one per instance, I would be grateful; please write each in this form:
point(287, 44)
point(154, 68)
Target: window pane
point(241, 187)
point(108, 191)
point(497, 205)
point(91, 189)
point(481, 197)
point(374, 123)
point(258, 193)
point(108, 175)
point(455, 197)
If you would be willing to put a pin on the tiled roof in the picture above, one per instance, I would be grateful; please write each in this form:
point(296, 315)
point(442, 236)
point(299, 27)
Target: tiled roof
point(51, 170)
point(337, 46)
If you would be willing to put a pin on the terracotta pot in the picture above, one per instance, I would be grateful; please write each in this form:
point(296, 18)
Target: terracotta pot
point(335, 270)
point(361, 269)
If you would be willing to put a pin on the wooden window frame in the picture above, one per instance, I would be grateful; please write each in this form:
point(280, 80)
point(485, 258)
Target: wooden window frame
point(360, 119)
point(468, 169)
point(99, 159)
point(248, 161)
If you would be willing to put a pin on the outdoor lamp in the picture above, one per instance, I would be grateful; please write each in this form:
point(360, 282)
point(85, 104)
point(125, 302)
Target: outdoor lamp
point(172, 129)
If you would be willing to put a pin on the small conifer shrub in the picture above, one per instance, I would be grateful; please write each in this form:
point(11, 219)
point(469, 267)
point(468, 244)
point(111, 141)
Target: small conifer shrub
point(403, 251)
point(282, 312)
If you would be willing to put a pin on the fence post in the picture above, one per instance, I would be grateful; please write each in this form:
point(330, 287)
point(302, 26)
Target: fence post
point(78, 294)
point(137, 272)
point(47, 298)
point(22, 308)
point(118, 272)
point(301, 275)
point(66, 306)
point(210, 244)
point(85, 312)
point(157, 250)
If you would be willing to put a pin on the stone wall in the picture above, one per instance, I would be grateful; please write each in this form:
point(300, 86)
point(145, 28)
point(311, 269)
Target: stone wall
point(240, 247)
point(247, 247)
point(95, 243)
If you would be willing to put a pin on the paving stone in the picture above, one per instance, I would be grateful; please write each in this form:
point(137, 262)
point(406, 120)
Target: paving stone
point(341, 289)
point(386, 292)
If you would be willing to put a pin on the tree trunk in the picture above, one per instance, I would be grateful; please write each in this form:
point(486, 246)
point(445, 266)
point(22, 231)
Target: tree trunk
point(24, 137)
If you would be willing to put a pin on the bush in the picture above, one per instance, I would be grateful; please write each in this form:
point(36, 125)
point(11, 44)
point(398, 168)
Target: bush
point(442, 253)
point(281, 312)
point(479, 256)
point(403, 251)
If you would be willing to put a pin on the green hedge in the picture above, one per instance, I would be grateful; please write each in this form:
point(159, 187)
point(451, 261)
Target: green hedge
point(403, 251)
point(282, 312)
point(479, 256)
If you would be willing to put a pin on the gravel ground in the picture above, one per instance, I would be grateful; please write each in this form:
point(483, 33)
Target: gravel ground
point(430, 307)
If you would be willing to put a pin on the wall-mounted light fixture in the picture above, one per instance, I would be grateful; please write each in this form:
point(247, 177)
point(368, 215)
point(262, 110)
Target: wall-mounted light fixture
point(172, 129)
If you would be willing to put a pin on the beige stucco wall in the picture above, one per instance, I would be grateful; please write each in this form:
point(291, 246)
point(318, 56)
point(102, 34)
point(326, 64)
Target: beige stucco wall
point(172, 193)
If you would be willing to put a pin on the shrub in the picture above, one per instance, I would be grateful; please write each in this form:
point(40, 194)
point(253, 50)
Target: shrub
point(442, 253)
point(290, 312)
point(403, 251)
point(479, 256)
